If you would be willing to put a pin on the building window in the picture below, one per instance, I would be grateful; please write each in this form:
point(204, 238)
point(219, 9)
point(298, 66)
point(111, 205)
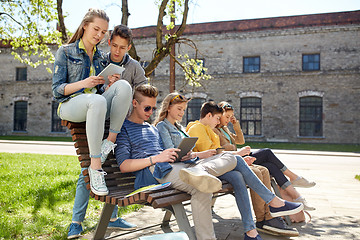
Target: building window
point(20, 116)
point(193, 109)
point(310, 123)
point(21, 74)
point(55, 120)
point(311, 62)
point(144, 64)
point(250, 115)
point(251, 64)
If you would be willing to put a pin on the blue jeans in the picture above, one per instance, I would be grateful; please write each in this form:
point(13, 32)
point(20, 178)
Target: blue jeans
point(82, 200)
point(114, 103)
point(239, 178)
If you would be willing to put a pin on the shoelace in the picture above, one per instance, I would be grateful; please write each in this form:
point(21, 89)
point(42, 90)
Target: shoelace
point(109, 148)
point(98, 179)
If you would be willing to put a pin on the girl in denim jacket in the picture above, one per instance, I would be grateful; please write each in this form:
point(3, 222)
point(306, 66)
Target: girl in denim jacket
point(83, 96)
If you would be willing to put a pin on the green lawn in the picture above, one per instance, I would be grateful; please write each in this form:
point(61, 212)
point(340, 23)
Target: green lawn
point(37, 196)
point(36, 138)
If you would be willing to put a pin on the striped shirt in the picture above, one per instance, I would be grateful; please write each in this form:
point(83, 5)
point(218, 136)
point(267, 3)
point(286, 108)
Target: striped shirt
point(136, 141)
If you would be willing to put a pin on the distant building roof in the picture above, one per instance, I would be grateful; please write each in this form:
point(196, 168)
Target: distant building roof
point(338, 18)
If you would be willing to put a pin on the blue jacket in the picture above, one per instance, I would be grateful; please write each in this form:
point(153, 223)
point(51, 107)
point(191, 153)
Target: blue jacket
point(170, 135)
point(72, 64)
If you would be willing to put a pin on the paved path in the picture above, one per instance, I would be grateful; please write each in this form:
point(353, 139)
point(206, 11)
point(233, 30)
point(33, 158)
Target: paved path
point(336, 196)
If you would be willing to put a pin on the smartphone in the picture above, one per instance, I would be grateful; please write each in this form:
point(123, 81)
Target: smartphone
point(219, 150)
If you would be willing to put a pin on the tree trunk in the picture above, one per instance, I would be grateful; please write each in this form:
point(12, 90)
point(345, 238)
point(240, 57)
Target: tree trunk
point(125, 12)
point(62, 28)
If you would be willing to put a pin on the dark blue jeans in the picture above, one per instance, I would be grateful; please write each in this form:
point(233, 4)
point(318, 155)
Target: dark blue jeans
point(265, 157)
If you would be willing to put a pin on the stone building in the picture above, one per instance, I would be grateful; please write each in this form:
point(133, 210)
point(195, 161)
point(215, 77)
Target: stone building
point(290, 79)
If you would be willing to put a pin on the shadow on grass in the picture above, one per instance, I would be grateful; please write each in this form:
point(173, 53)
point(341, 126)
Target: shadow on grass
point(49, 197)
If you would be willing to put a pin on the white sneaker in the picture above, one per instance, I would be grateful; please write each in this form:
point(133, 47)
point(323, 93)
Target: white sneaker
point(302, 182)
point(200, 179)
point(106, 147)
point(307, 207)
point(97, 182)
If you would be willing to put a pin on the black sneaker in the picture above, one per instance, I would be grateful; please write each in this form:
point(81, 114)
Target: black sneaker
point(278, 226)
point(260, 228)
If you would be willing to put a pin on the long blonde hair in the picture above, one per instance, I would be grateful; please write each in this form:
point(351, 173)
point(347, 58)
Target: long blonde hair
point(88, 18)
point(170, 99)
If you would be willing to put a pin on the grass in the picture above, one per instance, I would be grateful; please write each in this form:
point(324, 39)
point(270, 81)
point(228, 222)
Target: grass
point(37, 196)
point(36, 138)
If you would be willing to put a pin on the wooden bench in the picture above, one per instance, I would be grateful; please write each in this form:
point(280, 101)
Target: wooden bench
point(121, 184)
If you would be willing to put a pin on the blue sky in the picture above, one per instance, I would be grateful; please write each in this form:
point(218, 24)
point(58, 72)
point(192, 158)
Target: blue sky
point(144, 12)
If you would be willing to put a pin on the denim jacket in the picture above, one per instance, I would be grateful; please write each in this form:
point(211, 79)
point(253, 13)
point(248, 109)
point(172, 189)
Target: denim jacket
point(72, 64)
point(170, 134)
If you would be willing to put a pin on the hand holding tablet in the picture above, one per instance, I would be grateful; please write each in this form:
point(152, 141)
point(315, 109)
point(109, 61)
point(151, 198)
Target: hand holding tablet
point(186, 145)
point(109, 70)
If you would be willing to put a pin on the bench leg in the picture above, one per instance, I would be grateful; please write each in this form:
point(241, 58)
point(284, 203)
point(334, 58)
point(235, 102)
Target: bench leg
point(167, 216)
point(182, 220)
point(277, 193)
point(104, 221)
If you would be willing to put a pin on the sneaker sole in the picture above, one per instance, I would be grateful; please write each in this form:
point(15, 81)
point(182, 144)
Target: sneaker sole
point(288, 212)
point(203, 183)
point(123, 229)
point(74, 236)
point(309, 208)
point(302, 186)
point(282, 232)
point(267, 231)
point(97, 192)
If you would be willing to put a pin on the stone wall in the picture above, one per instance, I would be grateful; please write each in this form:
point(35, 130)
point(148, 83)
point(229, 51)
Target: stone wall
point(280, 82)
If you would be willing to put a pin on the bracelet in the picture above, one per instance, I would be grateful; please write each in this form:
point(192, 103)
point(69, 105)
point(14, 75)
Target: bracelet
point(151, 162)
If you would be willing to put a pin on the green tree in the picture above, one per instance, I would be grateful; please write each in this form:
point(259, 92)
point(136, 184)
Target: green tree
point(29, 27)
point(166, 39)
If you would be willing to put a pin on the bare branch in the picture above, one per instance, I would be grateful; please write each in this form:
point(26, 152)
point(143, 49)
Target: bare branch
point(160, 24)
point(182, 27)
point(125, 12)
point(1, 13)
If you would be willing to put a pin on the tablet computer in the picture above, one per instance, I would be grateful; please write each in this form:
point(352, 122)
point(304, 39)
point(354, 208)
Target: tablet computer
point(185, 146)
point(110, 70)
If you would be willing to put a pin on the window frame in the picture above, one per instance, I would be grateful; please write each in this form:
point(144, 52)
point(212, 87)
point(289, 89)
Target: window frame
point(56, 126)
point(255, 122)
point(316, 122)
point(196, 113)
point(20, 74)
point(20, 119)
point(305, 65)
point(246, 66)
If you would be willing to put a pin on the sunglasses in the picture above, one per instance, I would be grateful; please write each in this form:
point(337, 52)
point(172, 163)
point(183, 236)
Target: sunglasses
point(147, 108)
point(228, 107)
point(182, 98)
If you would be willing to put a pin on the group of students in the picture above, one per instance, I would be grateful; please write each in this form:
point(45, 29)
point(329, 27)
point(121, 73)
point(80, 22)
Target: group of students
point(149, 151)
